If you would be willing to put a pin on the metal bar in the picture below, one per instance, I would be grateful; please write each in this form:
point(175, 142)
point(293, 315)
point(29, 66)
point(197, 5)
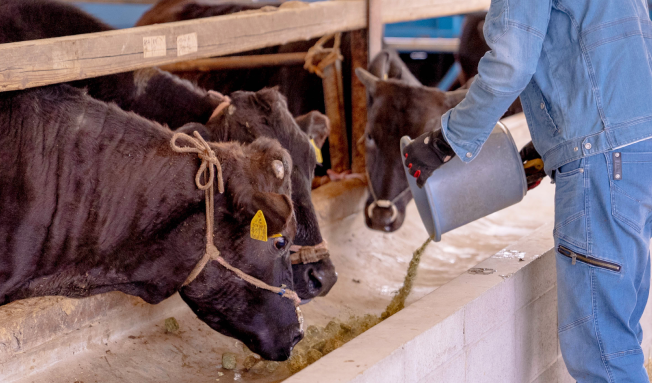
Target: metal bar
point(424, 44)
point(238, 62)
point(375, 26)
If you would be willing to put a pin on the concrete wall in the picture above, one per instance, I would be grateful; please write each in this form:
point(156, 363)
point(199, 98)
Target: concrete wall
point(478, 328)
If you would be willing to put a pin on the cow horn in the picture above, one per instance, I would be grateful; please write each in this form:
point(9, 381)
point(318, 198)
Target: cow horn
point(384, 69)
point(279, 169)
point(368, 79)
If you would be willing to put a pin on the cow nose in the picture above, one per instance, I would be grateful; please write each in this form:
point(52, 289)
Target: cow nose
point(319, 281)
point(296, 335)
point(315, 279)
point(383, 217)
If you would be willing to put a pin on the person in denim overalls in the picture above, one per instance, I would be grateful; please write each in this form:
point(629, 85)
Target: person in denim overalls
point(583, 70)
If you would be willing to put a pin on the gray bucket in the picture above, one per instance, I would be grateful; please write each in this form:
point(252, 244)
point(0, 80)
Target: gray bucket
point(459, 193)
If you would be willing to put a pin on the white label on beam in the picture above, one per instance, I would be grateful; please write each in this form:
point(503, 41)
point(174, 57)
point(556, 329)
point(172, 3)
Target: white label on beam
point(154, 46)
point(186, 44)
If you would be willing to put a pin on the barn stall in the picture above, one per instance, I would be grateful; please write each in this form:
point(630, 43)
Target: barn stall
point(461, 325)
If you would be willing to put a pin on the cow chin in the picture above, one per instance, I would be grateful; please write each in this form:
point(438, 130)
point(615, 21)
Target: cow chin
point(266, 323)
point(314, 279)
point(382, 219)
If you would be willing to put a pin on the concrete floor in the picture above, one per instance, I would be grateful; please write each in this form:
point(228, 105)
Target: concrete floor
point(371, 267)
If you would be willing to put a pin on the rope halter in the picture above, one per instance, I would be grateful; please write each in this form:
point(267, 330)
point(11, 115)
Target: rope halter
point(209, 161)
point(383, 203)
point(224, 103)
point(308, 254)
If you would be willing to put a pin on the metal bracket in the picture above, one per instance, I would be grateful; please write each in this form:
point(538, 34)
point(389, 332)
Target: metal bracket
point(618, 166)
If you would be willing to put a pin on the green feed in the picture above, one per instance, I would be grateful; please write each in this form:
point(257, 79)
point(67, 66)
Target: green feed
point(321, 341)
point(171, 325)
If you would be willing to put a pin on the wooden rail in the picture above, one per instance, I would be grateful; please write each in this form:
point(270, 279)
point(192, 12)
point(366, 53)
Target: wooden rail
point(49, 61)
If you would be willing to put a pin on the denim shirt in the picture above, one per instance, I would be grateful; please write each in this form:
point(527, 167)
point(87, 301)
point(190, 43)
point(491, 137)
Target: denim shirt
point(582, 68)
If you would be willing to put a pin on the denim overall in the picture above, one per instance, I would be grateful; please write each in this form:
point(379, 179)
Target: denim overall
point(603, 224)
point(583, 71)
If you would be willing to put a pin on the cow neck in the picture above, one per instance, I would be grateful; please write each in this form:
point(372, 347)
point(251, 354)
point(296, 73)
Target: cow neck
point(209, 162)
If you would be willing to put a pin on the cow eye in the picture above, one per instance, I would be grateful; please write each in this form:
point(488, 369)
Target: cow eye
point(280, 243)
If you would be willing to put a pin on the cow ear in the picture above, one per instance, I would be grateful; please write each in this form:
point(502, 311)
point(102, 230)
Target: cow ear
point(277, 209)
point(455, 97)
point(369, 80)
point(191, 127)
point(316, 125)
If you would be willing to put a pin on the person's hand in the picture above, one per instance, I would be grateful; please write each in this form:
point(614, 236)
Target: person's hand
point(533, 166)
point(426, 154)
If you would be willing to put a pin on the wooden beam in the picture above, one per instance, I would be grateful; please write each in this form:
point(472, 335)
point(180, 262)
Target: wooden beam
point(238, 62)
point(50, 61)
point(395, 11)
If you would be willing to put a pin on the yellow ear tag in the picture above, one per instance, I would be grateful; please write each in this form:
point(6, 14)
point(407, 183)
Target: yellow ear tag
point(279, 235)
point(258, 227)
point(320, 159)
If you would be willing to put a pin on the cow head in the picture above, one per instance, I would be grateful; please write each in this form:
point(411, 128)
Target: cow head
point(256, 179)
point(398, 105)
point(265, 114)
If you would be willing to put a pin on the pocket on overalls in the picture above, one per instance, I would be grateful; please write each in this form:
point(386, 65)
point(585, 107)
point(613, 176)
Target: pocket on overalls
point(570, 205)
point(631, 195)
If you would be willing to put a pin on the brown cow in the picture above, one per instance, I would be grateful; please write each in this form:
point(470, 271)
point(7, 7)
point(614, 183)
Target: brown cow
point(398, 105)
point(93, 199)
point(165, 98)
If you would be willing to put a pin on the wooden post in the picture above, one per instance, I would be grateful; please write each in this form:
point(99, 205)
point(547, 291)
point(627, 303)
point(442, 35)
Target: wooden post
point(334, 101)
point(375, 25)
point(358, 99)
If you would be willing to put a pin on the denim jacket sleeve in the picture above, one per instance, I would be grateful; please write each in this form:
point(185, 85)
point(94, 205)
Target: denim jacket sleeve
point(514, 30)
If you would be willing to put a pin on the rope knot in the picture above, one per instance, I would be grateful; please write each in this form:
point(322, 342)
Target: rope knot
point(323, 56)
point(209, 160)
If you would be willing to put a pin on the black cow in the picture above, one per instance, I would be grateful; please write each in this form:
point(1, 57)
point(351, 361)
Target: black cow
point(242, 121)
point(303, 89)
point(398, 105)
point(163, 97)
point(472, 47)
point(93, 199)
